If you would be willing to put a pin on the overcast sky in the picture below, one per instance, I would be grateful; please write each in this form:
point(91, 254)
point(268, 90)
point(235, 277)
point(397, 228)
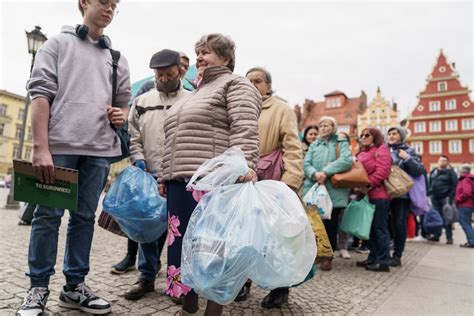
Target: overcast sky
point(310, 48)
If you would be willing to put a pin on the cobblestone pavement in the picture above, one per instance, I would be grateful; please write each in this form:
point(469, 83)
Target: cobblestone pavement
point(344, 290)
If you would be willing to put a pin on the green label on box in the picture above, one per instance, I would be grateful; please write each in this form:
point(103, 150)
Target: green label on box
point(60, 194)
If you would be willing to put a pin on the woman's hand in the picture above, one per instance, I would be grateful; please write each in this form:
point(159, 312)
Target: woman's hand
point(403, 154)
point(250, 176)
point(116, 116)
point(163, 189)
point(321, 177)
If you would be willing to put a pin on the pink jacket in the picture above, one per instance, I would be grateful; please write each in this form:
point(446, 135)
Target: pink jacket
point(465, 192)
point(377, 162)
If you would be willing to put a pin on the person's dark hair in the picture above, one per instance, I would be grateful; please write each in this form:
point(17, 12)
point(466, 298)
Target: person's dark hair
point(306, 131)
point(444, 156)
point(345, 135)
point(220, 44)
point(376, 135)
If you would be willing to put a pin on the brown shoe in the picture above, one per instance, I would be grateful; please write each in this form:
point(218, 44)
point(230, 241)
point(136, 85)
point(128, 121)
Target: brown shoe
point(326, 264)
point(140, 289)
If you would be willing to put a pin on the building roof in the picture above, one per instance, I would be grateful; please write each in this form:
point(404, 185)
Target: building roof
point(344, 115)
point(12, 95)
point(334, 93)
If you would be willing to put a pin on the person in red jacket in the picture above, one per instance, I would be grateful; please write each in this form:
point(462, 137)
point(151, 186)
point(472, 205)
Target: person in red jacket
point(465, 202)
point(377, 161)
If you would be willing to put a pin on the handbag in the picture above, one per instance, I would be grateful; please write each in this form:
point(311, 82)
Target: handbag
point(357, 218)
point(432, 222)
point(355, 177)
point(450, 212)
point(418, 199)
point(398, 182)
point(270, 166)
point(122, 132)
point(107, 222)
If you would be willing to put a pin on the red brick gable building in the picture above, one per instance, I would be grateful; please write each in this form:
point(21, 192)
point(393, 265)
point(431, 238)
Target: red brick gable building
point(336, 104)
point(442, 123)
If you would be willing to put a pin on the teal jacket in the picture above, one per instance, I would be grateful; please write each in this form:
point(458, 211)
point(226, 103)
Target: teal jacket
point(321, 156)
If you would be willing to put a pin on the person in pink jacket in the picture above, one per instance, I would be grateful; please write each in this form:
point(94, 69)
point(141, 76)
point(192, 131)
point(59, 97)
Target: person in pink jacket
point(377, 161)
point(465, 202)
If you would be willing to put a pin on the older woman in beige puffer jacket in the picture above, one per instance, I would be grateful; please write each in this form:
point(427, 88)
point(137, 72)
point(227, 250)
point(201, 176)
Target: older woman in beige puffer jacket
point(222, 112)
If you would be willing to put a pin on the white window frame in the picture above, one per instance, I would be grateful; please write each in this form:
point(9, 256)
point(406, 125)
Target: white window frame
point(28, 152)
point(2, 130)
point(449, 107)
point(3, 109)
point(447, 127)
point(16, 150)
point(440, 84)
point(458, 150)
point(18, 131)
point(471, 145)
point(435, 106)
point(440, 147)
point(418, 147)
point(422, 128)
point(432, 125)
point(466, 126)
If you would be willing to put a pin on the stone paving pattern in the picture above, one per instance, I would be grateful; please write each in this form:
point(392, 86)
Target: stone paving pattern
point(346, 290)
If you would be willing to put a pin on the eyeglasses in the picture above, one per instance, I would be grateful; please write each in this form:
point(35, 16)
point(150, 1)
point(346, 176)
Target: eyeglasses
point(109, 3)
point(365, 135)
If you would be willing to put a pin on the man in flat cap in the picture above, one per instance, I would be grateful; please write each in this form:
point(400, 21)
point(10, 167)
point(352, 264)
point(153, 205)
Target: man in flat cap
point(146, 118)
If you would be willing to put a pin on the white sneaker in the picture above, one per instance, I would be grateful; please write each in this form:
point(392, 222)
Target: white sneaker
point(345, 254)
point(34, 302)
point(83, 298)
point(419, 238)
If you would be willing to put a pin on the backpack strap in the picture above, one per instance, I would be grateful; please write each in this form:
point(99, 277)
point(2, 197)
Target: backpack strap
point(115, 59)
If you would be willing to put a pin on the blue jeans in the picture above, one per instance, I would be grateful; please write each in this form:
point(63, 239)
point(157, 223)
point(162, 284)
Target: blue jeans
point(438, 207)
point(465, 218)
point(149, 258)
point(379, 242)
point(399, 214)
point(93, 172)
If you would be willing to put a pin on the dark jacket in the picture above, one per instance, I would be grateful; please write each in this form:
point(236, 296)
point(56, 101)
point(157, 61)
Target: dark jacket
point(443, 183)
point(412, 165)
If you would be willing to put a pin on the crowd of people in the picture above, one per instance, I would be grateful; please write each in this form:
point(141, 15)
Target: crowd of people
point(173, 131)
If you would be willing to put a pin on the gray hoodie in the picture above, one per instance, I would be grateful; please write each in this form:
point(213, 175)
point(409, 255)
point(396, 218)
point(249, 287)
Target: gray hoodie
point(76, 77)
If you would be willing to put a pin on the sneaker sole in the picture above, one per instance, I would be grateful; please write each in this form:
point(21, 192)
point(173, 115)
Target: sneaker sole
point(85, 309)
point(115, 271)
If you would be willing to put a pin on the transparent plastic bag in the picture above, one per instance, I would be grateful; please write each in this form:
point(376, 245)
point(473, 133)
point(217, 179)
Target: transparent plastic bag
point(240, 231)
point(134, 202)
point(222, 170)
point(318, 196)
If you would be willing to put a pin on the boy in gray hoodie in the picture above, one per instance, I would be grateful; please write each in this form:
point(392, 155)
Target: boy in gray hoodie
point(71, 92)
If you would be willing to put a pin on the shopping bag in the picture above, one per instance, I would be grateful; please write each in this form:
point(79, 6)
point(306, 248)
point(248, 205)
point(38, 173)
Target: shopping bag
point(135, 204)
point(318, 196)
point(357, 218)
point(450, 212)
point(242, 231)
point(418, 199)
point(432, 222)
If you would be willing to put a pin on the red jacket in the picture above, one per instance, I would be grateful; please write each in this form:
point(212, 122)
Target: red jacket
point(377, 162)
point(465, 191)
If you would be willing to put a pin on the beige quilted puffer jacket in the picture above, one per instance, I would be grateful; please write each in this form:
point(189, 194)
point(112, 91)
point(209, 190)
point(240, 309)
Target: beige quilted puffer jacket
point(223, 112)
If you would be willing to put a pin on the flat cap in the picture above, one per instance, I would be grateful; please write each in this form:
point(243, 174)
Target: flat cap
point(164, 58)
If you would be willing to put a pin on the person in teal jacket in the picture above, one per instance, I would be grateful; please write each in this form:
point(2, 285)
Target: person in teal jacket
point(322, 162)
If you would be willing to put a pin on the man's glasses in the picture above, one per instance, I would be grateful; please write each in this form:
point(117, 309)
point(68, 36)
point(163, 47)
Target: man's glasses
point(365, 135)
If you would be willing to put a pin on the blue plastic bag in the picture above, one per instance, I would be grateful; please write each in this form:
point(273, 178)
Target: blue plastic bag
point(134, 202)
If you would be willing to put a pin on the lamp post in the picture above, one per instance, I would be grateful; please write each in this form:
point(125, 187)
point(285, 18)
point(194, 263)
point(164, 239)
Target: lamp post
point(35, 39)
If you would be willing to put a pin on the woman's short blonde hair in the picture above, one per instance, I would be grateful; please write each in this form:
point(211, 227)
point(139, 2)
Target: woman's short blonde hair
point(220, 44)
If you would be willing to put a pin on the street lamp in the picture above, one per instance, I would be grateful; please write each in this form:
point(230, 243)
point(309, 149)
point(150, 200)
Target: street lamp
point(35, 39)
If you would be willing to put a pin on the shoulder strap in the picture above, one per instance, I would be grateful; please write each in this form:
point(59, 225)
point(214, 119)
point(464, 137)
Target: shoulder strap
point(115, 58)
